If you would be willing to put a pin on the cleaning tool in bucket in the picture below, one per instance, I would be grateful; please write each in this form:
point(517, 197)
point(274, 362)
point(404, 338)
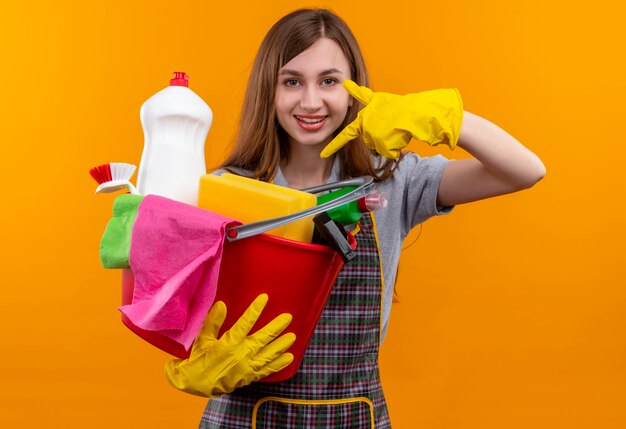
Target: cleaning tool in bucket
point(350, 213)
point(249, 200)
point(175, 254)
point(297, 277)
point(175, 124)
point(115, 242)
point(114, 176)
point(365, 187)
point(334, 235)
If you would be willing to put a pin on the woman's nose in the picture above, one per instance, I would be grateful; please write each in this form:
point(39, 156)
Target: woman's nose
point(311, 99)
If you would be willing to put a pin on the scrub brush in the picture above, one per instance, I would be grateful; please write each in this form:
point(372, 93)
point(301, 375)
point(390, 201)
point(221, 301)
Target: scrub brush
point(113, 177)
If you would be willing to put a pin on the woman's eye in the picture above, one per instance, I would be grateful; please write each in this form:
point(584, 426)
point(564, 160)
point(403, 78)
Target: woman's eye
point(291, 82)
point(329, 81)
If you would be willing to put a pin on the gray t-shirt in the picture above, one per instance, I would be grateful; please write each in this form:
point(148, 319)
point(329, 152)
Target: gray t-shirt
point(412, 198)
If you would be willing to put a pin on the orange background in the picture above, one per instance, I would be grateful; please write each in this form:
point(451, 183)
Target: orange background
point(512, 309)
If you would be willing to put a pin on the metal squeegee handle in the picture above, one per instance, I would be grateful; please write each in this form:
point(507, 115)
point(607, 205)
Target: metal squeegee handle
point(365, 186)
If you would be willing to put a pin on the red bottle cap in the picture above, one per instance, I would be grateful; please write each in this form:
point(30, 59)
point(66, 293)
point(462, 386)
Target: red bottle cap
point(180, 79)
point(372, 202)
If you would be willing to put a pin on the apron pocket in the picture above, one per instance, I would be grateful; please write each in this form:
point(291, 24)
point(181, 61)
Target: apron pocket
point(283, 413)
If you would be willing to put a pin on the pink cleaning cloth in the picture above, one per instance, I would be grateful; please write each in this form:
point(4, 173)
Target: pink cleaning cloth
point(175, 255)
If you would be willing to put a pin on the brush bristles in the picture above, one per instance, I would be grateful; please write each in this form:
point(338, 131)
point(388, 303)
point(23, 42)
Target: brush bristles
point(122, 170)
point(112, 171)
point(101, 173)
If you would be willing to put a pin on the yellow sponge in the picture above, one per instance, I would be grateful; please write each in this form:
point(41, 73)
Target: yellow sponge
point(249, 200)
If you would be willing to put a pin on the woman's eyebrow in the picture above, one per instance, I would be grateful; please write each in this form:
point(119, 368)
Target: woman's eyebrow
point(331, 71)
point(291, 72)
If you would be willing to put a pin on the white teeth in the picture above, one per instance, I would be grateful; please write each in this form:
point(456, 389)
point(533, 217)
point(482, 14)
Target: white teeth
point(309, 120)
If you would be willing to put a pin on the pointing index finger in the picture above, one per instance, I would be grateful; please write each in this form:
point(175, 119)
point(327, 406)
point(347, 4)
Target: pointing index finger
point(362, 93)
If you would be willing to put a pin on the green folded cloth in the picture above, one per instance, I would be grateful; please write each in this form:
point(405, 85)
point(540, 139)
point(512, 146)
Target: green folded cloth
point(115, 243)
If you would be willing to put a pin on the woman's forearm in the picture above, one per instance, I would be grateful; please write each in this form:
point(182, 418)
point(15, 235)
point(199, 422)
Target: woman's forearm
point(499, 152)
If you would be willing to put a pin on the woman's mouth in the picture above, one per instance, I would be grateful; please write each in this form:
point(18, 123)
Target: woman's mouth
point(310, 122)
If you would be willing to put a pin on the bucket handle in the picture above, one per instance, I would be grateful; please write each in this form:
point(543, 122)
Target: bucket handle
point(365, 186)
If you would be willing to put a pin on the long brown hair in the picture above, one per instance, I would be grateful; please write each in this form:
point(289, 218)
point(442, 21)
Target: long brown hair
point(260, 142)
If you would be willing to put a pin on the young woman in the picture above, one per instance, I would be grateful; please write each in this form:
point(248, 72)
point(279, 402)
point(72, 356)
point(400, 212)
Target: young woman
point(308, 118)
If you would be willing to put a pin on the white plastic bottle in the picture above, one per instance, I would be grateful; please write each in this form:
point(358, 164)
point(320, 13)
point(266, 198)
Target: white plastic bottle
point(175, 124)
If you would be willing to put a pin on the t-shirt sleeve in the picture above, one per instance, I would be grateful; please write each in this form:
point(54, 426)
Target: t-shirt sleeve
point(415, 186)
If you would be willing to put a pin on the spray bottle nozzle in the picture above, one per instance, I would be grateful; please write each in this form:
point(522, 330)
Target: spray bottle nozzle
point(373, 201)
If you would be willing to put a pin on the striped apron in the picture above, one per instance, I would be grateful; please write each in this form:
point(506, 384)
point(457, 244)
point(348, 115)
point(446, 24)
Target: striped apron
point(338, 383)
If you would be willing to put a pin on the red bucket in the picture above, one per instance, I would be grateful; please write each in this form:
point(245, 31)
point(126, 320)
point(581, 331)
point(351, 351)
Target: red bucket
point(298, 278)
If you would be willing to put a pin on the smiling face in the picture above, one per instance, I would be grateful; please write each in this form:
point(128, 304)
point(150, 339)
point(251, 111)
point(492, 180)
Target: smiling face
point(310, 101)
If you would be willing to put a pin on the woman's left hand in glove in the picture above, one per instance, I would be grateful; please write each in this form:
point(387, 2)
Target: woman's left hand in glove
point(388, 121)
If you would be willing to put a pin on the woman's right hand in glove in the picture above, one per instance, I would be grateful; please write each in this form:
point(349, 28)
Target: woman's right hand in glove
point(218, 366)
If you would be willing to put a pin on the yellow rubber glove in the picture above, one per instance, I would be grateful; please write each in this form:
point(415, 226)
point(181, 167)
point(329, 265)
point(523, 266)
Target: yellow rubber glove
point(218, 366)
point(388, 121)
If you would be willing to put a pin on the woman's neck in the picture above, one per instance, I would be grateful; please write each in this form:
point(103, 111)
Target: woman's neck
point(305, 168)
